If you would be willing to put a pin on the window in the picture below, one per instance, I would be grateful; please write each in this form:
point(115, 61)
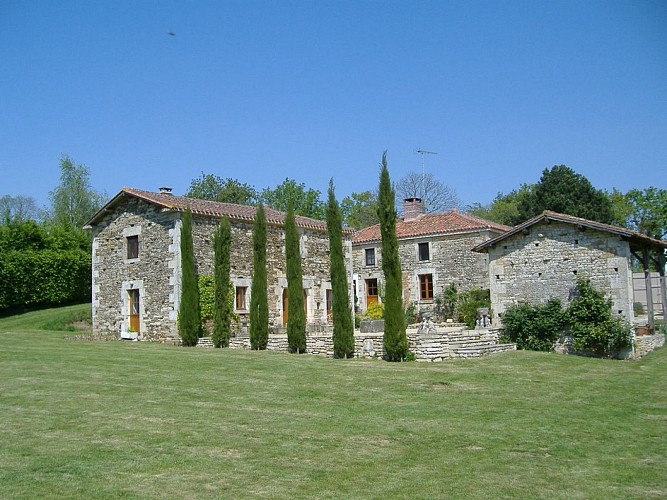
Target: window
point(241, 304)
point(370, 256)
point(423, 251)
point(426, 286)
point(328, 305)
point(133, 247)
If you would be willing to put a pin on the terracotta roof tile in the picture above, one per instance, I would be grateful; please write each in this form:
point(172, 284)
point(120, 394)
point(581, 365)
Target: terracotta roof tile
point(430, 225)
point(208, 208)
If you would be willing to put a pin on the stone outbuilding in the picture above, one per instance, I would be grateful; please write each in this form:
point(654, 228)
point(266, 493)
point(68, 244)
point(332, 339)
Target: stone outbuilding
point(435, 251)
point(542, 258)
point(136, 282)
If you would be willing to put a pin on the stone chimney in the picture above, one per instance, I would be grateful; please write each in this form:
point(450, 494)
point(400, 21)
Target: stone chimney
point(412, 208)
point(165, 190)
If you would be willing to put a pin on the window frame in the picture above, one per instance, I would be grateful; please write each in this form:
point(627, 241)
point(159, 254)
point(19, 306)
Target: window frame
point(368, 252)
point(426, 287)
point(244, 295)
point(132, 246)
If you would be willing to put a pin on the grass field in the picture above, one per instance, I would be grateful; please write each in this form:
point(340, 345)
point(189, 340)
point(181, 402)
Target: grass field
point(138, 420)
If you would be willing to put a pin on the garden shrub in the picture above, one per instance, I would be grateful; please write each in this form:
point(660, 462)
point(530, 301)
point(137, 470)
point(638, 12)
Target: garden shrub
point(534, 327)
point(592, 324)
point(469, 302)
point(375, 311)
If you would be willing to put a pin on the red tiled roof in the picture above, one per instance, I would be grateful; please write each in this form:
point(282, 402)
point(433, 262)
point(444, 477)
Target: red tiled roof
point(431, 225)
point(207, 208)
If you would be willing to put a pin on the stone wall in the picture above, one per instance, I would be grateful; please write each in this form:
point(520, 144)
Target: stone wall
point(156, 272)
point(451, 261)
point(545, 261)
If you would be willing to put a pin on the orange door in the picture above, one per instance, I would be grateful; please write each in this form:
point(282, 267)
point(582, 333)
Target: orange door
point(371, 292)
point(134, 309)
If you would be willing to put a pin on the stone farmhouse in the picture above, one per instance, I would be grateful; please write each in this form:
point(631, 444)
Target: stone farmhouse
point(136, 283)
point(542, 257)
point(435, 250)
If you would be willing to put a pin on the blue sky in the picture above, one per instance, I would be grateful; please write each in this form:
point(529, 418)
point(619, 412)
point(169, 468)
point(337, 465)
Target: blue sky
point(264, 90)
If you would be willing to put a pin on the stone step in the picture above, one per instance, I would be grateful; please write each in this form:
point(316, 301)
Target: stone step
point(475, 352)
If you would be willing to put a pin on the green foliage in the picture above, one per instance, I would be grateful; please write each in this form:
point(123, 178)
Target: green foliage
point(214, 188)
point(562, 190)
point(504, 209)
point(643, 211)
point(189, 314)
point(411, 314)
point(259, 305)
point(592, 324)
point(303, 201)
point(296, 317)
point(343, 331)
point(375, 311)
point(23, 235)
point(469, 302)
point(535, 327)
point(223, 311)
point(34, 279)
point(206, 284)
point(17, 209)
point(73, 201)
point(360, 210)
point(450, 299)
point(395, 339)
point(638, 308)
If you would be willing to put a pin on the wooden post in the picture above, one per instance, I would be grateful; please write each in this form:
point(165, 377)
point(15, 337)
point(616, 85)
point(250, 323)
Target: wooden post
point(646, 261)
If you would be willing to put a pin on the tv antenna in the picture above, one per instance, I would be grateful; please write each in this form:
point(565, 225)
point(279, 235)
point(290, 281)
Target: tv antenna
point(422, 153)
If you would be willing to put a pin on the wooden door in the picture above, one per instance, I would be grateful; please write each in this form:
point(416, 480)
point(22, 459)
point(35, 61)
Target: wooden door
point(285, 304)
point(371, 292)
point(134, 309)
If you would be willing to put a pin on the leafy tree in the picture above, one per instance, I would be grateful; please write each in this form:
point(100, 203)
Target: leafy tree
point(642, 210)
point(259, 305)
point(592, 325)
point(343, 329)
point(214, 188)
point(189, 316)
point(360, 210)
point(303, 201)
point(296, 318)
point(563, 190)
point(395, 339)
point(15, 209)
point(504, 209)
point(73, 201)
point(437, 196)
point(23, 235)
point(222, 313)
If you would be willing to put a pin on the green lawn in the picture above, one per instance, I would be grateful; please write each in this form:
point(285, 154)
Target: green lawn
point(136, 420)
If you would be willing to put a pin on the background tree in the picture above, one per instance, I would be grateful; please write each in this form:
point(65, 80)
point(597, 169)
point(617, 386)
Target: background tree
point(189, 316)
point(303, 201)
point(360, 210)
point(343, 329)
point(504, 209)
point(222, 312)
point(563, 190)
point(214, 188)
point(15, 209)
point(259, 305)
point(296, 317)
point(642, 210)
point(395, 339)
point(73, 201)
point(437, 196)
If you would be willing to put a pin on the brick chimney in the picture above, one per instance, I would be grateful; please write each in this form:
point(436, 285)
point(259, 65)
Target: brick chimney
point(412, 208)
point(165, 190)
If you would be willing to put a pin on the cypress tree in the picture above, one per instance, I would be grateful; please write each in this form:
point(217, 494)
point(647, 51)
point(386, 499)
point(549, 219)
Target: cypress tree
point(296, 317)
point(395, 339)
point(222, 313)
point(343, 329)
point(259, 305)
point(189, 315)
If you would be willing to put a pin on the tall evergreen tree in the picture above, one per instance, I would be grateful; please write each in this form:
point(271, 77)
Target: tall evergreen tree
point(296, 317)
point(259, 305)
point(395, 339)
point(343, 329)
point(222, 313)
point(189, 315)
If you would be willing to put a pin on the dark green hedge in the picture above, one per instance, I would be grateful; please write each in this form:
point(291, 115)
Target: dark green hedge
point(41, 278)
